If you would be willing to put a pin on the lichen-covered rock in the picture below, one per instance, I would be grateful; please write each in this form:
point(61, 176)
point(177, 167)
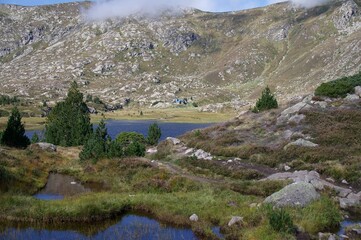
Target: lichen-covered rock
point(296, 194)
point(301, 143)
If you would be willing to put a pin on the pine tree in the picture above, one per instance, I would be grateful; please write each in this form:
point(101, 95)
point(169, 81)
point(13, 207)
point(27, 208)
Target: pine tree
point(266, 102)
point(14, 134)
point(154, 134)
point(69, 122)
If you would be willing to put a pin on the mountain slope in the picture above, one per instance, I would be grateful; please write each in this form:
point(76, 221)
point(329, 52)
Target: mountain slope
point(211, 57)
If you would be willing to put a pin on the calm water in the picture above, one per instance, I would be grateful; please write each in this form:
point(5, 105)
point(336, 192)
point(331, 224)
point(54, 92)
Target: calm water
point(168, 129)
point(129, 227)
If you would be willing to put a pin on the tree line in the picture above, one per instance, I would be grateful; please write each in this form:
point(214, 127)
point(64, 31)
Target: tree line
point(68, 124)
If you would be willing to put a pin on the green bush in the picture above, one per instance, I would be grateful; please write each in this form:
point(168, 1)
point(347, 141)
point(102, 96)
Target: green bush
point(339, 87)
point(14, 134)
point(266, 102)
point(280, 220)
point(135, 149)
point(126, 138)
point(154, 133)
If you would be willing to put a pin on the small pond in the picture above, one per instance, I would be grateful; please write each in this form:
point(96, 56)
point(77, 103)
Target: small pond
point(129, 227)
point(168, 129)
point(59, 186)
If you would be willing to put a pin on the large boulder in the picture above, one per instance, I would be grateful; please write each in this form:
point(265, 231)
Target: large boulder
point(296, 194)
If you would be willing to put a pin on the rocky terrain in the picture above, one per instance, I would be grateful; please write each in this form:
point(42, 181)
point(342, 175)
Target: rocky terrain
point(208, 58)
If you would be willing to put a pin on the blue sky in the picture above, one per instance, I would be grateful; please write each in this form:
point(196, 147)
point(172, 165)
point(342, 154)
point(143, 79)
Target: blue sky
point(217, 5)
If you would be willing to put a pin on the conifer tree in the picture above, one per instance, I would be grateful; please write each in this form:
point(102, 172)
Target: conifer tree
point(14, 134)
point(266, 102)
point(69, 122)
point(154, 134)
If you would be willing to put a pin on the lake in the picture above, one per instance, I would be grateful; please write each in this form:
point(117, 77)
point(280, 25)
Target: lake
point(168, 129)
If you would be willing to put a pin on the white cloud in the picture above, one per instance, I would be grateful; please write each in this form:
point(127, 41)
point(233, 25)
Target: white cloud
point(104, 9)
point(310, 3)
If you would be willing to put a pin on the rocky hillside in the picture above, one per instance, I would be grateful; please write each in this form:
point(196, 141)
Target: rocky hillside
point(207, 57)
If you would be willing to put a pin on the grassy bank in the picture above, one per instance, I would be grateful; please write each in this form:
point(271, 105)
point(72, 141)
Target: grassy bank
point(137, 185)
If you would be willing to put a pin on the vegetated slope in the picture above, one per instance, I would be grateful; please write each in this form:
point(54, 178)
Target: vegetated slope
point(211, 57)
point(318, 134)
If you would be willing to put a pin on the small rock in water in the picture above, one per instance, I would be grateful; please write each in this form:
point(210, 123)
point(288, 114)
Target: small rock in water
point(72, 183)
point(287, 168)
point(344, 181)
point(194, 218)
point(230, 161)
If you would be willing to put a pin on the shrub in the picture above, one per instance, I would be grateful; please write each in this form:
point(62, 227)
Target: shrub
point(135, 149)
point(126, 138)
point(154, 133)
point(339, 87)
point(266, 102)
point(14, 134)
point(69, 122)
point(4, 113)
point(280, 220)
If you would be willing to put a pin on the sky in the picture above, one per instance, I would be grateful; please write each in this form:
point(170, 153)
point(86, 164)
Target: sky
point(214, 6)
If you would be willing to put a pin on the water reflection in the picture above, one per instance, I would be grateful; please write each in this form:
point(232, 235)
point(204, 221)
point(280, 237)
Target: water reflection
point(130, 227)
point(59, 186)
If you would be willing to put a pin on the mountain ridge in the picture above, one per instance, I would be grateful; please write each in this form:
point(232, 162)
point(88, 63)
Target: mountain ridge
point(207, 57)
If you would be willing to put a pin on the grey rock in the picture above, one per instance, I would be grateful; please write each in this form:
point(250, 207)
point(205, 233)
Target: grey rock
point(296, 118)
point(301, 143)
point(352, 97)
point(296, 108)
point(194, 218)
point(296, 194)
point(175, 141)
point(201, 154)
point(358, 91)
point(235, 220)
point(46, 146)
point(287, 168)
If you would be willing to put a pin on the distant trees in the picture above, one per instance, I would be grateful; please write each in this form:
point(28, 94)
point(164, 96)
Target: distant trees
point(7, 100)
point(266, 101)
point(14, 134)
point(69, 121)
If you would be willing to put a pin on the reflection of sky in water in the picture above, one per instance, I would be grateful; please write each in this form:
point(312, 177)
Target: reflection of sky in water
point(130, 227)
point(346, 224)
point(168, 129)
point(48, 197)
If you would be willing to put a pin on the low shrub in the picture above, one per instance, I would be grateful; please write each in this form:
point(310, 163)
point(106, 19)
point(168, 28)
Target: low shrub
point(339, 87)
